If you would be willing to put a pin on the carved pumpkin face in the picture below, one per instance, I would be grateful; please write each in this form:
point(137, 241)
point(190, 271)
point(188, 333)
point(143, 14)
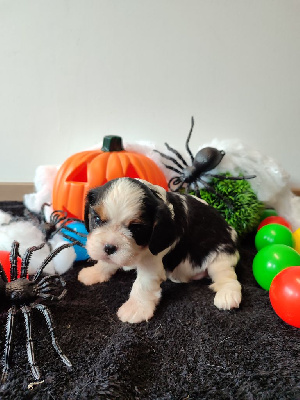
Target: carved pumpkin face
point(87, 169)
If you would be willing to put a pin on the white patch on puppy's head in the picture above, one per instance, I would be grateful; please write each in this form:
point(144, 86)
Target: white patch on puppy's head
point(122, 201)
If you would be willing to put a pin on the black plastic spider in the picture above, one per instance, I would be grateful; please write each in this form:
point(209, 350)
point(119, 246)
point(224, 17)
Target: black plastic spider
point(23, 295)
point(58, 220)
point(189, 177)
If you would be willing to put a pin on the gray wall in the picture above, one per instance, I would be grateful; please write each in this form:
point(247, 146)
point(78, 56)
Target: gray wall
point(74, 71)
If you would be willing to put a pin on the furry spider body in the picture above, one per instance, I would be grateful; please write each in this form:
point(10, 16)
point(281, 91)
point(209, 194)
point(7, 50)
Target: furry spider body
point(205, 160)
point(190, 176)
point(23, 295)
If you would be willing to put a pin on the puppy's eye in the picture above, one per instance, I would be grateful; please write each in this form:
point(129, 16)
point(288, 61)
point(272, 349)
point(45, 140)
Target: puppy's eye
point(96, 220)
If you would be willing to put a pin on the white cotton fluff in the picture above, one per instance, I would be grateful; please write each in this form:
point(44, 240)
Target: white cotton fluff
point(64, 260)
point(43, 182)
point(150, 149)
point(28, 235)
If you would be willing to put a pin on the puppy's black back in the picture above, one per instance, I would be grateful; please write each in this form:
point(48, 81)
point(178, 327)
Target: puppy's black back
point(201, 231)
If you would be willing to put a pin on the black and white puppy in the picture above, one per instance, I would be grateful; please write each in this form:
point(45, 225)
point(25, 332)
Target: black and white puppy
point(135, 224)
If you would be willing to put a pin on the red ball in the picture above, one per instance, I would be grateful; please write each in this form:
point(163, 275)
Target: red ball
point(285, 295)
point(275, 220)
point(4, 259)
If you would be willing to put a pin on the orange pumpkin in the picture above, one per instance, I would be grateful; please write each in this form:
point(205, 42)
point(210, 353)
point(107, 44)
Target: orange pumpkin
point(87, 169)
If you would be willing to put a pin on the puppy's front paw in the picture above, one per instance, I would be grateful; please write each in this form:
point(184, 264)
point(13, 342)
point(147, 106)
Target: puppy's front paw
point(134, 312)
point(91, 275)
point(226, 299)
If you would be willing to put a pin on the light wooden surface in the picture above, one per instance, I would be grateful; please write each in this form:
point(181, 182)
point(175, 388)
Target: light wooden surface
point(15, 191)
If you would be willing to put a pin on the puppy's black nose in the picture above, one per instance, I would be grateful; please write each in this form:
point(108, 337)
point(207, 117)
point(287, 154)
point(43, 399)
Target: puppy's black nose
point(110, 249)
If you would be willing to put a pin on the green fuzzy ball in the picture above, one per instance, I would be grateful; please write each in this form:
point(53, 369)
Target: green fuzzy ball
point(245, 211)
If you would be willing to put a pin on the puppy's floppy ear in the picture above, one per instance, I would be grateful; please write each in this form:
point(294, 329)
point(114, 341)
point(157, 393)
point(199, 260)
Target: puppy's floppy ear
point(87, 215)
point(90, 200)
point(164, 230)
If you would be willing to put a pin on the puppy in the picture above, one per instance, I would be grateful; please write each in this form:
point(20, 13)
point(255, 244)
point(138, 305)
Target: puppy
point(135, 224)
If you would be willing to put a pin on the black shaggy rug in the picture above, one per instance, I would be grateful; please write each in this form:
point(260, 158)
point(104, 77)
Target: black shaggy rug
point(189, 350)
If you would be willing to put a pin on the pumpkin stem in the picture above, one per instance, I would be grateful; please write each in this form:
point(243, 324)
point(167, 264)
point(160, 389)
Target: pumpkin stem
point(112, 143)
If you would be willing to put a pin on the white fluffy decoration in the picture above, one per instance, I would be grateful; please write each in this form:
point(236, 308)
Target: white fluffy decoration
point(270, 179)
point(28, 235)
point(64, 260)
point(272, 182)
point(43, 182)
point(148, 149)
point(271, 185)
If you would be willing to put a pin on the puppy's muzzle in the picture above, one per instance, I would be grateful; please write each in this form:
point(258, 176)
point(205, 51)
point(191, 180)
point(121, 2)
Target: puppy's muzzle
point(110, 249)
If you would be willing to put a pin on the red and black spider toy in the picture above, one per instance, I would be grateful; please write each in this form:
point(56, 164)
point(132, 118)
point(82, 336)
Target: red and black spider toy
point(23, 295)
point(189, 176)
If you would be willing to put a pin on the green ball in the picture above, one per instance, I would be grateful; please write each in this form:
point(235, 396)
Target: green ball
point(274, 234)
point(268, 212)
point(270, 260)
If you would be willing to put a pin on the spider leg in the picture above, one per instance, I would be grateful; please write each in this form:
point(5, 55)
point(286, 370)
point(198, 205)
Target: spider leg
point(58, 216)
point(27, 257)
point(179, 187)
point(173, 169)
point(29, 343)
point(3, 275)
point(47, 315)
point(50, 278)
point(67, 220)
point(51, 297)
point(175, 181)
point(44, 287)
point(49, 258)
point(47, 286)
point(188, 139)
point(8, 342)
point(13, 259)
point(232, 178)
point(43, 212)
point(58, 221)
point(73, 240)
point(170, 159)
point(64, 225)
point(210, 188)
point(197, 191)
point(177, 154)
point(49, 228)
